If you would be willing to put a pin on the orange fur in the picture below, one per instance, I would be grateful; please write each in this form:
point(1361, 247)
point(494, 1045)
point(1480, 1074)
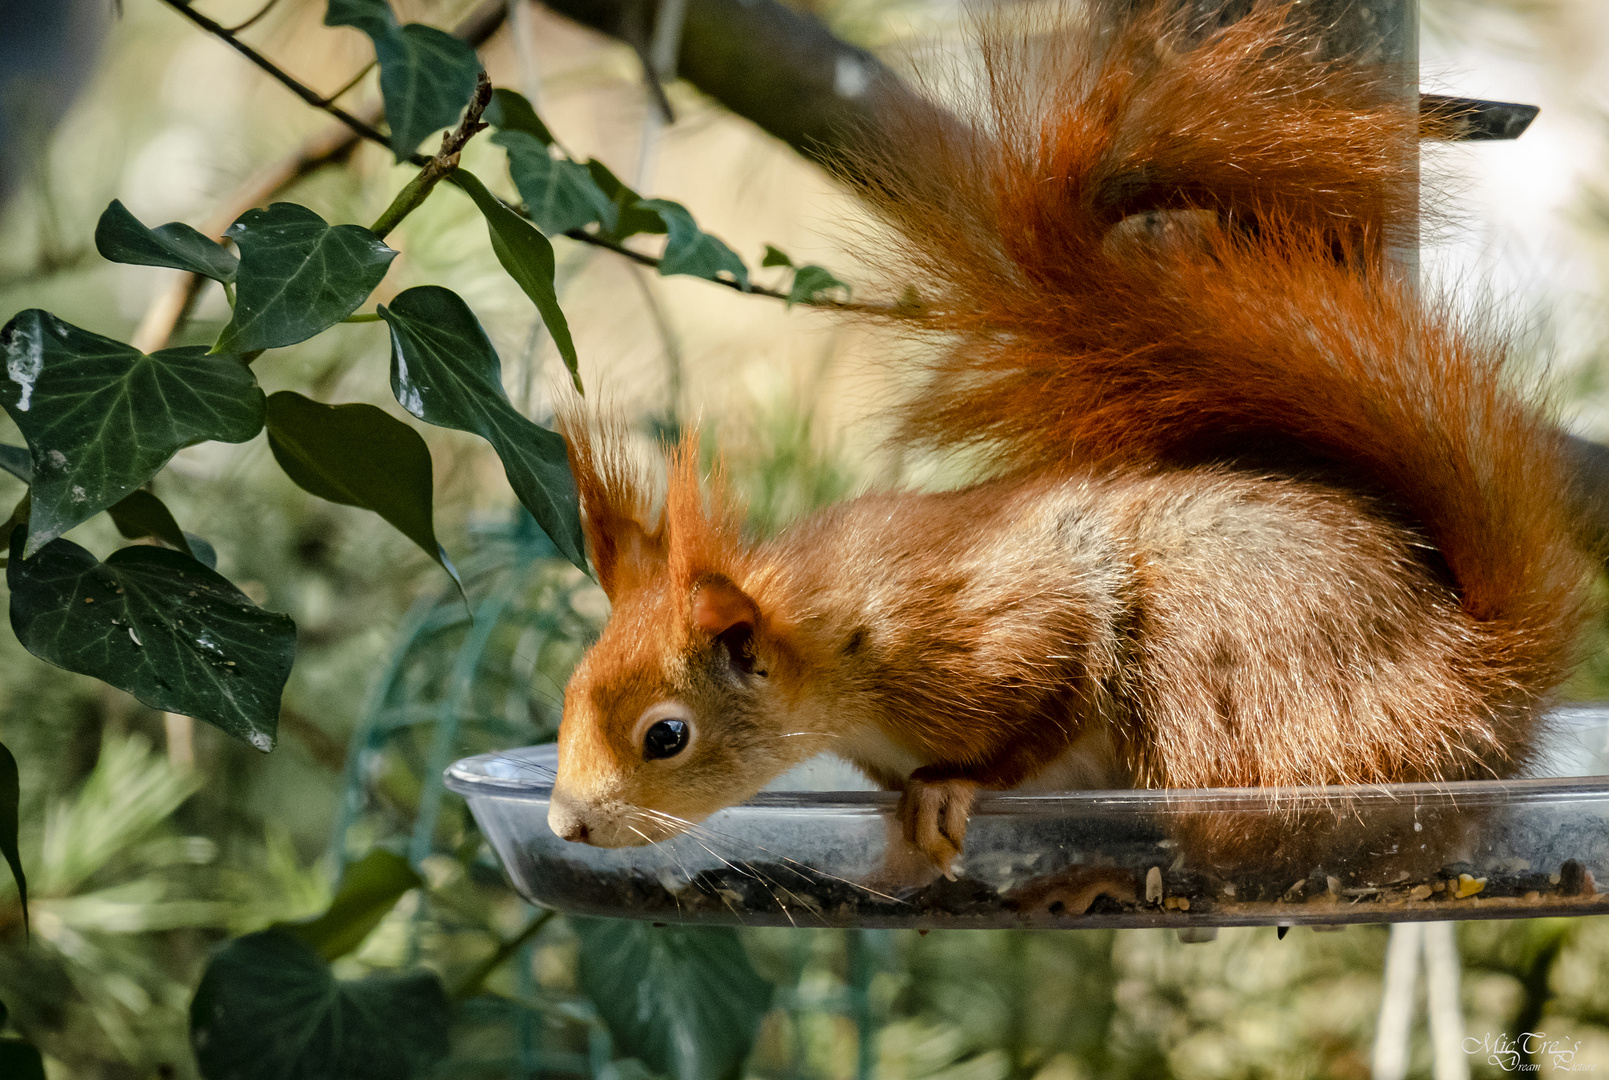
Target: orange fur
point(1259, 512)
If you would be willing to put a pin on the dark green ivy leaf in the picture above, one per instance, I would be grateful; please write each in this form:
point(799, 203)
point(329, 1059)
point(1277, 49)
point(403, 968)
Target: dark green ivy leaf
point(269, 1008)
point(509, 111)
point(14, 460)
point(528, 257)
point(631, 217)
point(374, 17)
point(445, 372)
point(691, 250)
point(369, 889)
point(102, 417)
point(775, 256)
point(10, 801)
point(358, 455)
point(298, 276)
point(204, 553)
point(160, 625)
point(20, 1061)
point(426, 76)
point(19, 516)
point(559, 195)
point(123, 238)
point(685, 1000)
point(140, 514)
point(810, 282)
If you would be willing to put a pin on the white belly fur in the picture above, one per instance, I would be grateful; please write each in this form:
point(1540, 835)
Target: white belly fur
point(1089, 764)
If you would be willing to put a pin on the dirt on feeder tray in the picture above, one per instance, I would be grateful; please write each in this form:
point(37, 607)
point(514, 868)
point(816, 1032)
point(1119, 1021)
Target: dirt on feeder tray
point(780, 892)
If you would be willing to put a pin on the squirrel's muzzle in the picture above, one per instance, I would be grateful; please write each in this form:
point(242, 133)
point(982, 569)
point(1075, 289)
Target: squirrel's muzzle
point(608, 824)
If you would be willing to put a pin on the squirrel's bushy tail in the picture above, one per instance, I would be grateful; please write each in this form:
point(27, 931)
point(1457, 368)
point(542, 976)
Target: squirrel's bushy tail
point(1159, 245)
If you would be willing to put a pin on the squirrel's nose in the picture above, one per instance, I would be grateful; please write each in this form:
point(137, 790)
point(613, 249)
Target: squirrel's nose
point(566, 820)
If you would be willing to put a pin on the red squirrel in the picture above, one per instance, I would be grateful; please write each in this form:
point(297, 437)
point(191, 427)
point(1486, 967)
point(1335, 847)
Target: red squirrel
point(1255, 510)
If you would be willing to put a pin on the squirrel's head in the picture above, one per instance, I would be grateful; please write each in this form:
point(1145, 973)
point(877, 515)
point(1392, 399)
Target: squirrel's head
point(681, 707)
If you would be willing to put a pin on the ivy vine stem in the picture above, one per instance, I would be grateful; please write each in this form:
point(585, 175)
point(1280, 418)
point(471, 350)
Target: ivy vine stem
point(414, 193)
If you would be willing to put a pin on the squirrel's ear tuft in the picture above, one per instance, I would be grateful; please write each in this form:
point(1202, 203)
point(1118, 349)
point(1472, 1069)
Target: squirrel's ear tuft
point(625, 538)
point(703, 523)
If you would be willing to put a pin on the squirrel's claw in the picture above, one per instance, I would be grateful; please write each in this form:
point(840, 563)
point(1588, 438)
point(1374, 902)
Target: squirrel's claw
point(934, 814)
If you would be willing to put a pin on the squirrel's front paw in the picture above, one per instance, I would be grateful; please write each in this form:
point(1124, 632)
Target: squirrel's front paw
point(934, 813)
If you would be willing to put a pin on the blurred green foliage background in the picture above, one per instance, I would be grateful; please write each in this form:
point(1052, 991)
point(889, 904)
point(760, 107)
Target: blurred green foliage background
point(148, 842)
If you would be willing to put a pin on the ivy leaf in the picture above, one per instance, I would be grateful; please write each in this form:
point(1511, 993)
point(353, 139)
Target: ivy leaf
point(685, 1000)
point(426, 76)
point(369, 889)
point(374, 17)
point(160, 625)
point(691, 250)
point(123, 238)
point(101, 417)
point(358, 455)
point(140, 514)
point(509, 111)
point(269, 1008)
point(10, 801)
point(810, 282)
point(203, 552)
point(20, 1061)
point(19, 516)
point(14, 460)
point(559, 195)
point(631, 217)
point(528, 257)
point(298, 276)
point(445, 372)
point(775, 256)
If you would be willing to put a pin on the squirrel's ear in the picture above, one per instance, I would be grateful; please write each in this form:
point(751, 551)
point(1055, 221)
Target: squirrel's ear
point(719, 606)
point(727, 614)
point(615, 497)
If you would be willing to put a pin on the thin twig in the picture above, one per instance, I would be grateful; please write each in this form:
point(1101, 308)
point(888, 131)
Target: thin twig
point(471, 984)
point(440, 166)
point(264, 10)
point(353, 81)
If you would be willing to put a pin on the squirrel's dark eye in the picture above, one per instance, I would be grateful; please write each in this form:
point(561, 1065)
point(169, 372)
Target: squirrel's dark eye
point(664, 739)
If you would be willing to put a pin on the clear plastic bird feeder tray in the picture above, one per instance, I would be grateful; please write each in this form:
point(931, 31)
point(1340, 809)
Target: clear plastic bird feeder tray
point(1147, 858)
